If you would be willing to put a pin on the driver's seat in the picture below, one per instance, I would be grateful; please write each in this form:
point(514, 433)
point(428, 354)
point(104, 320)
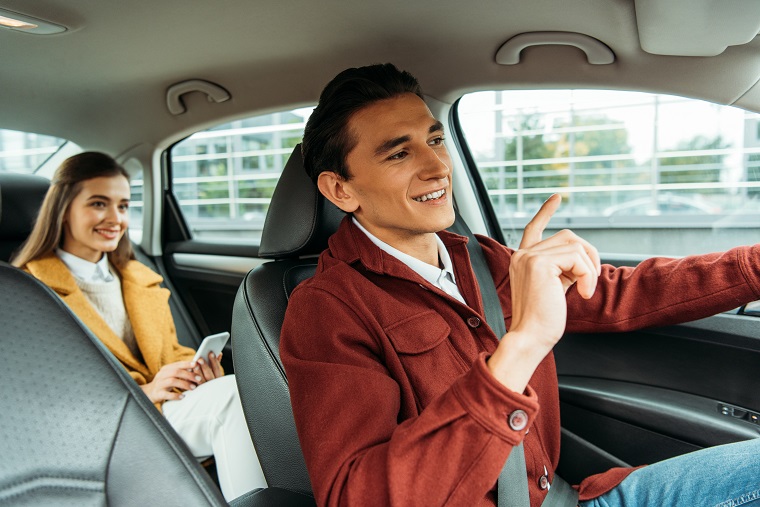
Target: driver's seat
point(299, 222)
point(297, 226)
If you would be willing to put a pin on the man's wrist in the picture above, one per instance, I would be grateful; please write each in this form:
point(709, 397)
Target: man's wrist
point(515, 360)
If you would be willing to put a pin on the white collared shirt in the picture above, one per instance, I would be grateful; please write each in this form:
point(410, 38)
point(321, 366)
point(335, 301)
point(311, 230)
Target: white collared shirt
point(443, 278)
point(92, 272)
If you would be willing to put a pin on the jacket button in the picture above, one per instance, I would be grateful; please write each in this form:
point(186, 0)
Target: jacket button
point(543, 481)
point(473, 322)
point(518, 420)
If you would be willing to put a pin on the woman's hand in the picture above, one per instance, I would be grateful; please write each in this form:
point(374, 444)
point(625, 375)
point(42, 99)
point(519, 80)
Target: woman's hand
point(210, 368)
point(172, 380)
point(540, 273)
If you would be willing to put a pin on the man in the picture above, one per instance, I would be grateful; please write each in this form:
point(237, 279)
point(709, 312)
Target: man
point(401, 394)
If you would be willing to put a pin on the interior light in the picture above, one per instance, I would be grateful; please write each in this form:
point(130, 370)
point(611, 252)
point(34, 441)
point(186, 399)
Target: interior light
point(15, 23)
point(28, 24)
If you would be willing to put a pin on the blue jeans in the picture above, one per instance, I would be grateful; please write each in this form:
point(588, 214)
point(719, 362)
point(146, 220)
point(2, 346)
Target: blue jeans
point(722, 476)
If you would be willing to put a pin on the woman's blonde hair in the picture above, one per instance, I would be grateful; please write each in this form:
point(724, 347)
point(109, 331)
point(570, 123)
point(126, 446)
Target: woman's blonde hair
point(66, 184)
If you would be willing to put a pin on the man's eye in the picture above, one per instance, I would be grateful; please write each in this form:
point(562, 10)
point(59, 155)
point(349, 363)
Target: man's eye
point(124, 207)
point(398, 156)
point(437, 141)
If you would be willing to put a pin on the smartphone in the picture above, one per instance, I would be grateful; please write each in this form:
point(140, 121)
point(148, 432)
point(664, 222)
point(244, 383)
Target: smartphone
point(212, 343)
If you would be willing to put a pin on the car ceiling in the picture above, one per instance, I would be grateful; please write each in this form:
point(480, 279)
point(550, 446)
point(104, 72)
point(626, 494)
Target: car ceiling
point(103, 82)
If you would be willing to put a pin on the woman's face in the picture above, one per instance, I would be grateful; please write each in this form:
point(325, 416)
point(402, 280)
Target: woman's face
point(97, 218)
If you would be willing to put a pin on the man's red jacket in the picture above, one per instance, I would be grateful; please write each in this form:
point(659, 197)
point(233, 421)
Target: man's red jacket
point(393, 402)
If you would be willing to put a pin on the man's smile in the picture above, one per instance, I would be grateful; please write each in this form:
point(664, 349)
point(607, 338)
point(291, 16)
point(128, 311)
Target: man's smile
point(432, 195)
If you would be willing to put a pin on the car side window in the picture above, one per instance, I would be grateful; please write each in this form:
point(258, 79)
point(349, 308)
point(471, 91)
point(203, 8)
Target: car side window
point(136, 183)
point(639, 173)
point(25, 152)
point(224, 177)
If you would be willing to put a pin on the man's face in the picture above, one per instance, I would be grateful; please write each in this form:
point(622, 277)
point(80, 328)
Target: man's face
point(400, 171)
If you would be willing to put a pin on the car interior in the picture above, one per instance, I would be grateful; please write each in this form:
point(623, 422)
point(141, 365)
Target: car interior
point(126, 442)
point(204, 104)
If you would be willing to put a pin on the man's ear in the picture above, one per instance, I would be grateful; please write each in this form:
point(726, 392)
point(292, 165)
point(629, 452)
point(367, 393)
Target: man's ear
point(337, 191)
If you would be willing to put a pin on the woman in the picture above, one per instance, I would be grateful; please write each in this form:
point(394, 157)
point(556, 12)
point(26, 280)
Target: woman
point(80, 248)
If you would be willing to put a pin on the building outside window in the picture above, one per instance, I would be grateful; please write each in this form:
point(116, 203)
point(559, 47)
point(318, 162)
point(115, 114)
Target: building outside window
point(224, 177)
point(638, 172)
point(24, 152)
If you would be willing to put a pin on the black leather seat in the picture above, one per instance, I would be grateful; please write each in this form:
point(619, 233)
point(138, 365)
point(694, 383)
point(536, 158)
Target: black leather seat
point(20, 198)
point(297, 226)
point(74, 427)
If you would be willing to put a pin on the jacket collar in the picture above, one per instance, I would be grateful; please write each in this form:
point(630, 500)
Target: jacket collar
point(53, 272)
point(140, 275)
point(351, 245)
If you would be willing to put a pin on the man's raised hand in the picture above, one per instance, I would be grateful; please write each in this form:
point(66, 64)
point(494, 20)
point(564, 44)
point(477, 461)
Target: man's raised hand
point(535, 229)
point(541, 272)
point(532, 239)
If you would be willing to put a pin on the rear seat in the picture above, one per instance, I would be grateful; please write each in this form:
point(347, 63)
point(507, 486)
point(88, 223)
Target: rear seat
point(21, 196)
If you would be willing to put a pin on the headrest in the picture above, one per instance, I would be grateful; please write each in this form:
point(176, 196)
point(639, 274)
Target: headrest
point(21, 196)
point(299, 219)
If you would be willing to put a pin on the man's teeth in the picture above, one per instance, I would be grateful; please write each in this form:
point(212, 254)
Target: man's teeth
point(431, 195)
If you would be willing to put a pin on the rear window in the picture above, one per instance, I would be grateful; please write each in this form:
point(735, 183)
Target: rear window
point(639, 173)
point(224, 177)
point(25, 152)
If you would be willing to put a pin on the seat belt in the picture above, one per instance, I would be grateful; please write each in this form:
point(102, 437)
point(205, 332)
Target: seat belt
point(512, 486)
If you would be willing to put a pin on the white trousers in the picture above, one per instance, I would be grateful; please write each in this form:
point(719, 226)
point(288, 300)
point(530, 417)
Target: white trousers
point(211, 422)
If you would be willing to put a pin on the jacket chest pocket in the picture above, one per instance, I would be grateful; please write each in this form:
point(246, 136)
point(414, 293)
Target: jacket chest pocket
point(424, 348)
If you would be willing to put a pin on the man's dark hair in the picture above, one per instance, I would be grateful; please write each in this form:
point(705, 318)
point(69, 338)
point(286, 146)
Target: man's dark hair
point(326, 139)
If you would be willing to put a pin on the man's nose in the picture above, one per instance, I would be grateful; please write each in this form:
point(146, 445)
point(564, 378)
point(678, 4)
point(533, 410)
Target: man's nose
point(434, 165)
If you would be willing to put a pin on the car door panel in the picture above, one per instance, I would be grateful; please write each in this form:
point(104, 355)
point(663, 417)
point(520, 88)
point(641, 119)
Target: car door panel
point(205, 274)
point(640, 397)
point(207, 277)
point(203, 287)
